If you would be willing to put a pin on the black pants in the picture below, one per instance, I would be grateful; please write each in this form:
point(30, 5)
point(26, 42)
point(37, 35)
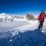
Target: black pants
point(41, 24)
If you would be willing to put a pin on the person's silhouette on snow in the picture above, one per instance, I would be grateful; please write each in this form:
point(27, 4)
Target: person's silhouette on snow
point(41, 19)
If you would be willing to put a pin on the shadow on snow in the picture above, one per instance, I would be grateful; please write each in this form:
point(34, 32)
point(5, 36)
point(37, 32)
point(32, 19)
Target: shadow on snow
point(28, 38)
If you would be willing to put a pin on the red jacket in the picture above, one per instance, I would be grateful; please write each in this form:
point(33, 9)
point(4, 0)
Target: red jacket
point(41, 17)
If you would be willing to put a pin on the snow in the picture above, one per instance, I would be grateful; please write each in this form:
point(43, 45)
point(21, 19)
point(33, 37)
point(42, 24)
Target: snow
point(19, 24)
point(31, 26)
point(28, 38)
point(10, 40)
point(22, 32)
point(22, 25)
point(11, 25)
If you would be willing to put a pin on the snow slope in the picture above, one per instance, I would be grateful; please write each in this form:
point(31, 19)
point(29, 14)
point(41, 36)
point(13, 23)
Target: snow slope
point(27, 38)
point(22, 32)
point(11, 25)
point(20, 26)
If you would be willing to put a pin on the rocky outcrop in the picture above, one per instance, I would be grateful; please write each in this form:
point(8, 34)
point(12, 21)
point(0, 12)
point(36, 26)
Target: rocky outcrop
point(30, 16)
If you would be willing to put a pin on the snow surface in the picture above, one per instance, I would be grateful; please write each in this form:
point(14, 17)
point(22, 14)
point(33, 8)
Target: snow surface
point(20, 26)
point(6, 26)
point(22, 32)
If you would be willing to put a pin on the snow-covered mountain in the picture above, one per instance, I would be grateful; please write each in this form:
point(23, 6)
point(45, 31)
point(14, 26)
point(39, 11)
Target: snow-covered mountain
point(21, 32)
point(13, 17)
point(18, 24)
point(9, 17)
point(30, 16)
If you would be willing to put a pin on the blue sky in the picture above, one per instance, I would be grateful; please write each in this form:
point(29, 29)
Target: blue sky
point(21, 7)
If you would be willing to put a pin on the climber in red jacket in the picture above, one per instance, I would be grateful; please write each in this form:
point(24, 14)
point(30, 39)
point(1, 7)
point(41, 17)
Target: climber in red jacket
point(41, 19)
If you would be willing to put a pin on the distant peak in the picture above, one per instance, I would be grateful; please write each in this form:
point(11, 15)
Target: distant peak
point(29, 13)
point(3, 13)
